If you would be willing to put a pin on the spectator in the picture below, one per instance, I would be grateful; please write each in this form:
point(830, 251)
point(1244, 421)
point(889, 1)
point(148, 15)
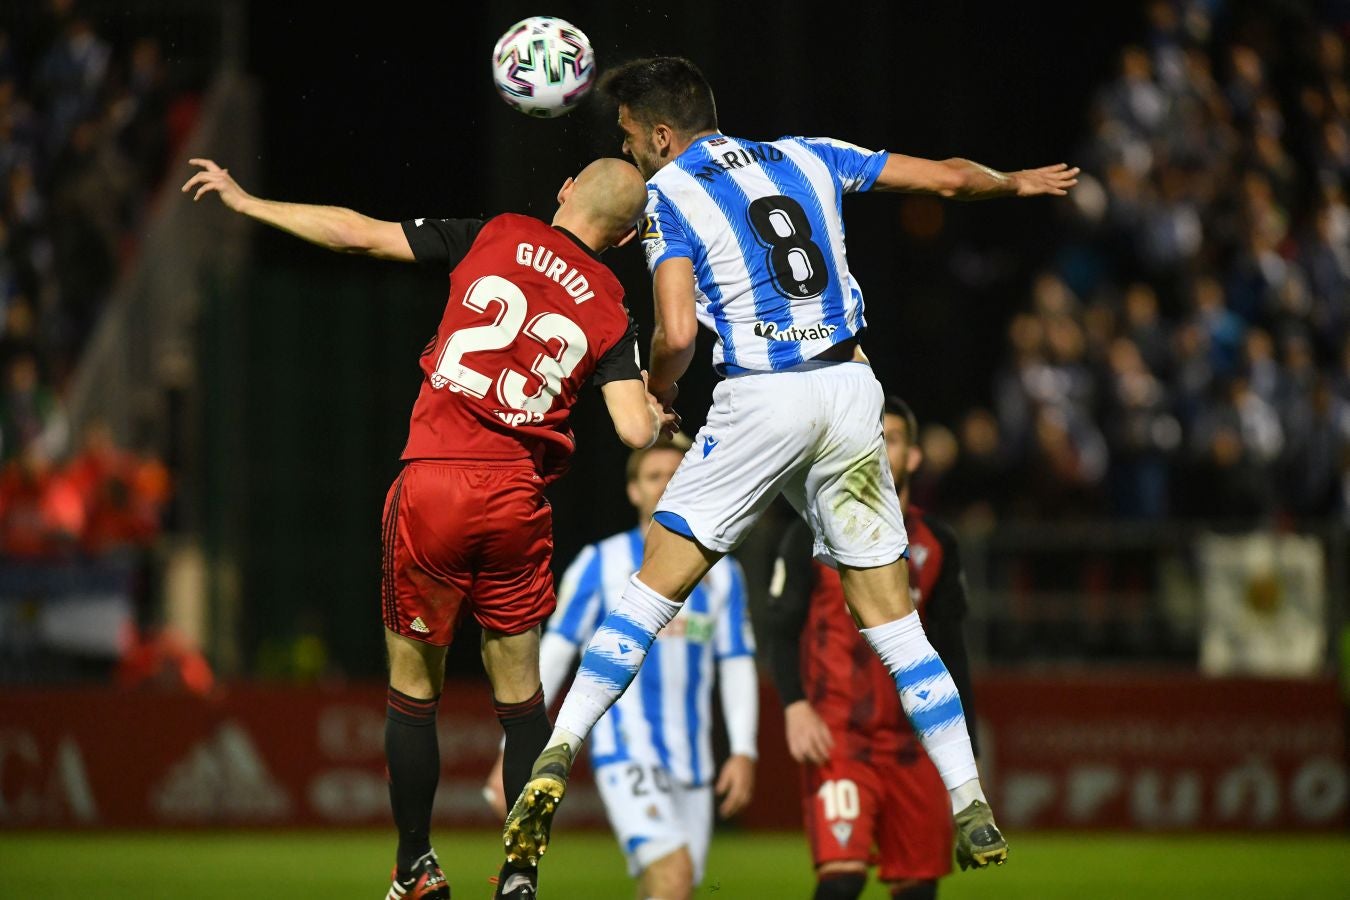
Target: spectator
point(41, 511)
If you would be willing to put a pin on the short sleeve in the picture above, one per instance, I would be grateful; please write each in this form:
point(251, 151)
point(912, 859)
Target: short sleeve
point(734, 636)
point(620, 362)
point(579, 608)
point(856, 167)
point(663, 232)
point(444, 241)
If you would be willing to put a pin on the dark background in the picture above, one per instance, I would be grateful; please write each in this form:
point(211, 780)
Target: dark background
point(391, 111)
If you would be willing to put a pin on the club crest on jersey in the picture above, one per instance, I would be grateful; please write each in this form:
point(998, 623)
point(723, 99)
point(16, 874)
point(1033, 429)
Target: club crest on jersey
point(842, 832)
point(769, 331)
point(918, 555)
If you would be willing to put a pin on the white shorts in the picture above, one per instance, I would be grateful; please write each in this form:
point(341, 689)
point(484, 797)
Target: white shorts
point(653, 815)
point(813, 435)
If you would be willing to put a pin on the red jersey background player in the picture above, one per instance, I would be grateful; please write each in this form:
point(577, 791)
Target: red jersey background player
point(532, 314)
point(870, 795)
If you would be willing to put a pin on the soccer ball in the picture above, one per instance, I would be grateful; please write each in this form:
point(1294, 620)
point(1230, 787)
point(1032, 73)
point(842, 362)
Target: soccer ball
point(543, 66)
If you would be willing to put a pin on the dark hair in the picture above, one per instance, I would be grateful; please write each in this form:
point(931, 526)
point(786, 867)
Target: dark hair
point(663, 90)
point(894, 406)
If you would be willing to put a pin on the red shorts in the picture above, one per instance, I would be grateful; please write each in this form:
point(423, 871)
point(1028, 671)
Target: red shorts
point(885, 813)
point(466, 536)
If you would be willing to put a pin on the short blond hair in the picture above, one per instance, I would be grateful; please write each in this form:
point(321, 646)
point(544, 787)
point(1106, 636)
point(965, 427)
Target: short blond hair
point(678, 442)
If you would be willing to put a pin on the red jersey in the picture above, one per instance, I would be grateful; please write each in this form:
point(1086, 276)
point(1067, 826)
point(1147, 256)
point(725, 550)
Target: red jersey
point(819, 655)
point(532, 313)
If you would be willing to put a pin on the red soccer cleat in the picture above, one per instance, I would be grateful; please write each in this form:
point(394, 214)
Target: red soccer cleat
point(427, 881)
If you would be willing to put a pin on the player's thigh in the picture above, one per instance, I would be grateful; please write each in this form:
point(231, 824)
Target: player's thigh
point(841, 803)
point(694, 807)
point(641, 811)
point(428, 544)
point(756, 435)
point(853, 507)
point(513, 583)
point(914, 838)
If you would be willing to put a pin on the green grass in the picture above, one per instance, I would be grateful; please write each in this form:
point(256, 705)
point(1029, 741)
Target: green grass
point(587, 866)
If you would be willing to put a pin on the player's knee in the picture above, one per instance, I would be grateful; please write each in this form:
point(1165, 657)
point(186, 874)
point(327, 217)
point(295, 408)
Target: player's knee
point(671, 877)
point(839, 883)
point(912, 889)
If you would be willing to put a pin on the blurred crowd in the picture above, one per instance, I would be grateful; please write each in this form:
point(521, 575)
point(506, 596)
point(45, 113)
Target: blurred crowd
point(1187, 354)
point(87, 127)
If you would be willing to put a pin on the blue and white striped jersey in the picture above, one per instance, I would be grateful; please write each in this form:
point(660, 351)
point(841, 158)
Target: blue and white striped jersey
point(665, 716)
point(763, 226)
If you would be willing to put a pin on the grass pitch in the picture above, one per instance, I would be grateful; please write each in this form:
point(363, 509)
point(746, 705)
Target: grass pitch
point(587, 866)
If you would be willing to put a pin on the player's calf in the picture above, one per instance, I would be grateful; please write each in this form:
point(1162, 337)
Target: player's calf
point(840, 883)
point(611, 660)
point(527, 729)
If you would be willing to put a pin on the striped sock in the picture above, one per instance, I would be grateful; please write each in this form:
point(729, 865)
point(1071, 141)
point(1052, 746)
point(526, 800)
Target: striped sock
point(414, 768)
point(612, 659)
point(928, 696)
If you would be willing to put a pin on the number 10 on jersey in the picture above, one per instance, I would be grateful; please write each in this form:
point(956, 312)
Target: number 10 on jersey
point(563, 341)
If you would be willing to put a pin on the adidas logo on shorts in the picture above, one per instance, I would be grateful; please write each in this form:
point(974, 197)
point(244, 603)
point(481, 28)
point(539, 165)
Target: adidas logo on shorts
point(419, 626)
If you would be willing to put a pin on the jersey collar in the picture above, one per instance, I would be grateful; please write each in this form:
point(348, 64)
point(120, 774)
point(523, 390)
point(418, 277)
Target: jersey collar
point(578, 241)
point(707, 137)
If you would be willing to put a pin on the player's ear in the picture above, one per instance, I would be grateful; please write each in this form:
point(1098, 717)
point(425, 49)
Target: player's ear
point(628, 236)
point(662, 137)
point(913, 459)
point(565, 191)
point(634, 496)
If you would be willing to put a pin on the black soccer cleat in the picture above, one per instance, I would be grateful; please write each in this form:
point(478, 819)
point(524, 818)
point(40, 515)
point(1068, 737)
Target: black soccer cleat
point(527, 825)
point(516, 884)
point(978, 840)
point(426, 882)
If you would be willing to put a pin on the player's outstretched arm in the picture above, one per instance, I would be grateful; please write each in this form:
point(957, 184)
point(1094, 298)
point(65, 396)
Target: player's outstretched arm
point(638, 419)
point(676, 326)
point(331, 227)
point(962, 179)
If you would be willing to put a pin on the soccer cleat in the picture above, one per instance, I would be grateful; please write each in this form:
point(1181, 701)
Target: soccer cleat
point(978, 840)
point(427, 881)
point(526, 833)
point(516, 884)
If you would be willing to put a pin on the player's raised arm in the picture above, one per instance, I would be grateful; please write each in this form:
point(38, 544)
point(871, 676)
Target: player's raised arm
point(638, 418)
point(962, 179)
point(331, 227)
point(676, 326)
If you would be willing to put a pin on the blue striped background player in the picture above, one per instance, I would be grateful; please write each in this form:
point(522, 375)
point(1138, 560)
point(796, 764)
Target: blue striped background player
point(747, 238)
point(652, 752)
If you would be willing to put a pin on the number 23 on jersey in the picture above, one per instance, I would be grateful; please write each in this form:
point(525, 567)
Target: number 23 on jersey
point(562, 346)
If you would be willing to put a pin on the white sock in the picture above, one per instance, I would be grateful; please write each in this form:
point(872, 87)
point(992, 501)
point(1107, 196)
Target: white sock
point(966, 794)
point(611, 660)
point(929, 698)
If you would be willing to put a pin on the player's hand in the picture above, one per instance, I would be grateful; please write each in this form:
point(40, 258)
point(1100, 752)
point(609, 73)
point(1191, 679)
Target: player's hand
point(735, 785)
point(808, 737)
point(1054, 180)
point(666, 396)
point(668, 419)
point(214, 178)
point(493, 791)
